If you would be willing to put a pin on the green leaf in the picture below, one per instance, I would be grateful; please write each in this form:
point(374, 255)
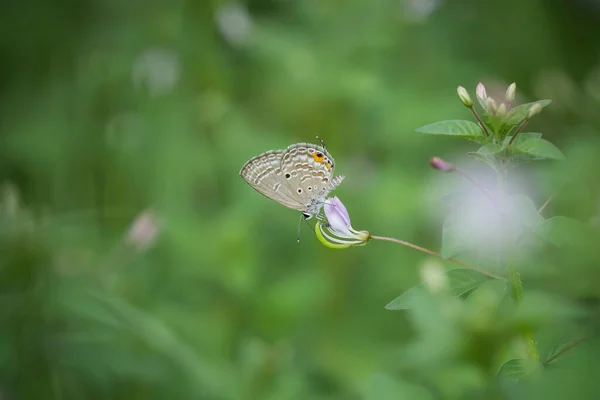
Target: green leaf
point(520, 369)
point(523, 208)
point(407, 299)
point(519, 113)
point(494, 123)
point(465, 129)
point(560, 231)
point(489, 149)
point(521, 138)
point(460, 282)
point(484, 158)
point(540, 149)
point(464, 281)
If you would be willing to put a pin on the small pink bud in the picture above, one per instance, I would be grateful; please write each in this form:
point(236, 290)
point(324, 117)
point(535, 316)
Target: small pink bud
point(481, 92)
point(463, 95)
point(144, 231)
point(441, 165)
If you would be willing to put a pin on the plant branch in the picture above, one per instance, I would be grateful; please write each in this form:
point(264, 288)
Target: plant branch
point(519, 129)
point(480, 121)
point(433, 253)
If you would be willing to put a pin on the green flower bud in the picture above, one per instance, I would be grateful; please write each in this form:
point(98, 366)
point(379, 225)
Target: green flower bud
point(463, 95)
point(534, 110)
point(491, 105)
point(510, 93)
point(501, 112)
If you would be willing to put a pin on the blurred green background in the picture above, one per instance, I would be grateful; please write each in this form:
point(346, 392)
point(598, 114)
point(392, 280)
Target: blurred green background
point(110, 109)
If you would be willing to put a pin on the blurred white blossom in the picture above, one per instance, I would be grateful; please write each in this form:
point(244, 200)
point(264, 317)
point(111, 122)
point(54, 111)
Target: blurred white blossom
point(419, 10)
point(434, 276)
point(158, 70)
point(234, 22)
point(10, 199)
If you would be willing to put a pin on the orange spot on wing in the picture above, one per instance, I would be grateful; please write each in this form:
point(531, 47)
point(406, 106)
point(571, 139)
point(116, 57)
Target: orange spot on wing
point(328, 165)
point(317, 158)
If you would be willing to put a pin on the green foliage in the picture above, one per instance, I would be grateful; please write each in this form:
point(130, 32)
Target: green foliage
point(461, 282)
point(499, 228)
point(136, 264)
point(519, 113)
point(519, 369)
point(539, 149)
point(463, 129)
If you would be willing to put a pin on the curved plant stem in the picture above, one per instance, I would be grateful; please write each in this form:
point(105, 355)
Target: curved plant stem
point(480, 121)
point(519, 129)
point(433, 253)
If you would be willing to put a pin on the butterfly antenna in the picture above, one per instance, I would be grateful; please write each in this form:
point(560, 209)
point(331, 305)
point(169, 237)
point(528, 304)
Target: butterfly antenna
point(310, 226)
point(303, 218)
point(322, 143)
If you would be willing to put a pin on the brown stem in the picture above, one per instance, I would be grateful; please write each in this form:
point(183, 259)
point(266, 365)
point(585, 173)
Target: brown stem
point(563, 351)
point(433, 253)
point(519, 129)
point(480, 121)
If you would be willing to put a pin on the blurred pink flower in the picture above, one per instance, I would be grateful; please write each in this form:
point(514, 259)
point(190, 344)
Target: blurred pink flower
point(143, 231)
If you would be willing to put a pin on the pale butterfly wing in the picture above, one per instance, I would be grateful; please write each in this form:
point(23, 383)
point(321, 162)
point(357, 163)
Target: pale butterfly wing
point(308, 172)
point(264, 174)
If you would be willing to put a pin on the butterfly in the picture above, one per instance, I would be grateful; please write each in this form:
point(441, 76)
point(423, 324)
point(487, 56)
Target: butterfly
point(299, 177)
